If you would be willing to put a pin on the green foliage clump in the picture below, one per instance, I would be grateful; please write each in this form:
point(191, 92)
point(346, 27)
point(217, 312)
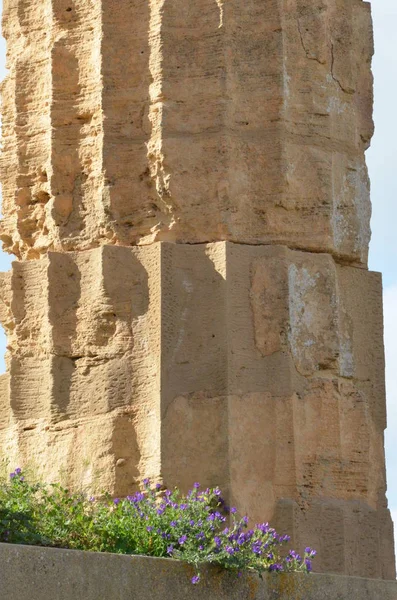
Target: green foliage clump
point(197, 527)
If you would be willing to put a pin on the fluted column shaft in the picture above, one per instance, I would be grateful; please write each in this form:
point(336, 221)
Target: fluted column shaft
point(185, 190)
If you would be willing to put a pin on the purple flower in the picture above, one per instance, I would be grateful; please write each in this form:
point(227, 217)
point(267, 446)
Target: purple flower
point(138, 497)
point(276, 567)
point(18, 471)
point(160, 511)
point(183, 506)
point(201, 547)
point(308, 564)
point(92, 499)
point(168, 493)
point(217, 491)
point(239, 574)
point(149, 528)
point(196, 486)
point(233, 510)
point(173, 524)
point(12, 475)
point(295, 556)
point(263, 527)
point(191, 523)
point(200, 536)
point(158, 486)
point(116, 501)
point(257, 548)
point(230, 550)
point(245, 520)
point(146, 481)
point(170, 549)
point(182, 539)
point(195, 579)
point(217, 540)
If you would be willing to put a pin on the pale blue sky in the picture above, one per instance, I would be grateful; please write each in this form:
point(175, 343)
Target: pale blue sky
point(383, 171)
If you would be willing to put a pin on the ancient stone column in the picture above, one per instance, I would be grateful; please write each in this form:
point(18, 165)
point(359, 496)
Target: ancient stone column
point(185, 190)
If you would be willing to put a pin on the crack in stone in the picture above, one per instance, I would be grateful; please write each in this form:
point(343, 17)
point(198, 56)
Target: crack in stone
point(337, 81)
point(303, 45)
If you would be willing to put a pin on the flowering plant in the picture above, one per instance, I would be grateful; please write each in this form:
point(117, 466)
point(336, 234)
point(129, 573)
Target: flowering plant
point(197, 528)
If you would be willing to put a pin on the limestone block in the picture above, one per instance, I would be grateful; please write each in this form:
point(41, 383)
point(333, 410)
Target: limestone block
point(133, 122)
point(256, 368)
point(77, 357)
point(296, 428)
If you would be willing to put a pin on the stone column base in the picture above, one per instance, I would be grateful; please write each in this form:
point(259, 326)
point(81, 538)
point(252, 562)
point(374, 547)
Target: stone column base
point(256, 368)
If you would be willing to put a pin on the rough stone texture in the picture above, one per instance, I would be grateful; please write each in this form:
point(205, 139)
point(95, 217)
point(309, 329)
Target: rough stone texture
point(29, 573)
point(131, 122)
point(267, 362)
point(256, 365)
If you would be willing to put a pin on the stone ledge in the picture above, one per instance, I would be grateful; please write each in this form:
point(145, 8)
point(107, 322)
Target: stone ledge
point(33, 573)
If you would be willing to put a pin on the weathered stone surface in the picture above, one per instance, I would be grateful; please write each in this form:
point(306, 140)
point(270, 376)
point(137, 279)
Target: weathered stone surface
point(257, 365)
point(131, 122)
point(256, 368)
point(29, 573)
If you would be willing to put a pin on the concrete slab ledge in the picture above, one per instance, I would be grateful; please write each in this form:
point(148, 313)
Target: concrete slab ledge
point(33, 573)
